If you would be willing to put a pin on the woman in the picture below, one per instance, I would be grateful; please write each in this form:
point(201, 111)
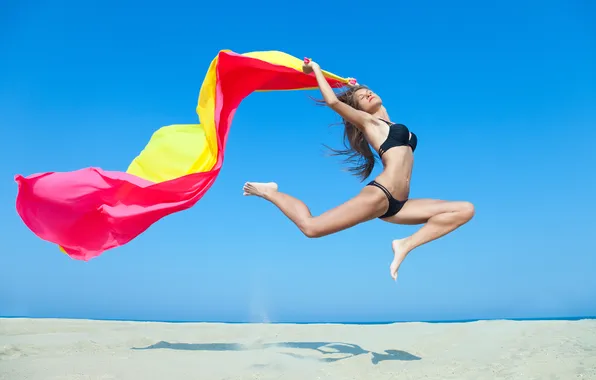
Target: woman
point(367, 124)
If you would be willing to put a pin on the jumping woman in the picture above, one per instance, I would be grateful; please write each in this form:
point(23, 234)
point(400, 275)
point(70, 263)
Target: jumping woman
point(367, 124)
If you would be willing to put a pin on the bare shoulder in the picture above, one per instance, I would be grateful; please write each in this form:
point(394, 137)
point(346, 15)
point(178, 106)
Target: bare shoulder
point(362, 120)
point(370, 122)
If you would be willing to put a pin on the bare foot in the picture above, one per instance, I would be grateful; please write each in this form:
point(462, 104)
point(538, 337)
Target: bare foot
point(400, 251)
point(259, 189)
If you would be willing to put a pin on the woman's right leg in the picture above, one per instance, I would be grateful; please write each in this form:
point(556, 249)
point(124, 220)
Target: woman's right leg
point(439, 218)
point(368, 204)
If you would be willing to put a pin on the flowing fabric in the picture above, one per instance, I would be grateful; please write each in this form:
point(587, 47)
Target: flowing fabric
point(91, 210)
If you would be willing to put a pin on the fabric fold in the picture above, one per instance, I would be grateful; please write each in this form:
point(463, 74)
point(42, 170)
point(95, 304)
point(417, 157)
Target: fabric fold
point(91, 210)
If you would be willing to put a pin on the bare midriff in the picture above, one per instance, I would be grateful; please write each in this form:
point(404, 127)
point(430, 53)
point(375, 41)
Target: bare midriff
point(397, 173)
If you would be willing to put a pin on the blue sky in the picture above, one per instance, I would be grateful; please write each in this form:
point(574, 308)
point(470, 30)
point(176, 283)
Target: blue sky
point(501, 97)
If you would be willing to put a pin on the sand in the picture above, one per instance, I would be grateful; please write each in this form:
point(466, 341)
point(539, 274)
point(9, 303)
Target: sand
point(80, 349)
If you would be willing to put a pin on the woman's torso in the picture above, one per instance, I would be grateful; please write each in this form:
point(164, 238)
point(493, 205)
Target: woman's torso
point(395, 144)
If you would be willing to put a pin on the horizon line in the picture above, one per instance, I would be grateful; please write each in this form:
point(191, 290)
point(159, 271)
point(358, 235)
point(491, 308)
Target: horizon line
point(321, 322)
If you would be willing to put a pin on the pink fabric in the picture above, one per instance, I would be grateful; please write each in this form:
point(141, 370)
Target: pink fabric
point(91, 210)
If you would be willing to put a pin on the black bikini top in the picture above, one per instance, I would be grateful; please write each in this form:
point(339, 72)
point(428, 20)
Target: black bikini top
point(399, 135)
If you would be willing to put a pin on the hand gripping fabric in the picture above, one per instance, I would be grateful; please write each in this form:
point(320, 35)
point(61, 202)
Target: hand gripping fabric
point(91, 210)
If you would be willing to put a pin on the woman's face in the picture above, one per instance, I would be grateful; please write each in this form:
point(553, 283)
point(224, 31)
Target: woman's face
point(367, 100)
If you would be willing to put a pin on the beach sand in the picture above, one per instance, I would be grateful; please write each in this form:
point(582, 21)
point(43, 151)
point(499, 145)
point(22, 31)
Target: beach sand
point(48, 349)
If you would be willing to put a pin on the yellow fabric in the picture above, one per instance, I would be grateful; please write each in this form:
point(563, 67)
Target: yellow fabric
point(180, 149)
point(284, 59)
point(177, 150)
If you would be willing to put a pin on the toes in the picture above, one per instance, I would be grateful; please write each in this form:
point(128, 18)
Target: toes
point(247, 189)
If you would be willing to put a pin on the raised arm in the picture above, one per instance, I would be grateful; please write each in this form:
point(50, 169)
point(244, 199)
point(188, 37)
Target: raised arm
point(358, 118)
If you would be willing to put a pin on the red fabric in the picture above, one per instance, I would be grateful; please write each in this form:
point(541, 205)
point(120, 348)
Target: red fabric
point(89, 211)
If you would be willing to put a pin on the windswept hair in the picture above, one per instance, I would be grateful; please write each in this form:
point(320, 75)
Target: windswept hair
point(357, 150)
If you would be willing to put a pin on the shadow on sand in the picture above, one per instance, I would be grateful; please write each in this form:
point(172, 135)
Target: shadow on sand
point(348, 350)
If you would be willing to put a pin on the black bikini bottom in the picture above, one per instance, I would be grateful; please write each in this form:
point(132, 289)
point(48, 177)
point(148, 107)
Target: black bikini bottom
point(394, 205)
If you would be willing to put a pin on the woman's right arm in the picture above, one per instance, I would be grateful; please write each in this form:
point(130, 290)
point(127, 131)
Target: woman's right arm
point(358, 118)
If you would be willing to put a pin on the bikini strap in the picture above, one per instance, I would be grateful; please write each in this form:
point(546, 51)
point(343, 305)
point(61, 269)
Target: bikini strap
point(383, 188)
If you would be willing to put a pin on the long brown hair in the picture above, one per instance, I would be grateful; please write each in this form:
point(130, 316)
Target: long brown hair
point(357, 149)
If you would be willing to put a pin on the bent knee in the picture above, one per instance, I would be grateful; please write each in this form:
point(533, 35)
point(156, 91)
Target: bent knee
point(467, 210)
point(311, 229)
point(313, 232)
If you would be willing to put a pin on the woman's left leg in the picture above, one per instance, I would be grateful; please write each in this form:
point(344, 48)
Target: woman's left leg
point(439, 218)
point(368, 204)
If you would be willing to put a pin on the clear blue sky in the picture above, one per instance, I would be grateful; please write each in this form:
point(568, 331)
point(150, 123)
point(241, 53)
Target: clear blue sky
point(502, 97)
